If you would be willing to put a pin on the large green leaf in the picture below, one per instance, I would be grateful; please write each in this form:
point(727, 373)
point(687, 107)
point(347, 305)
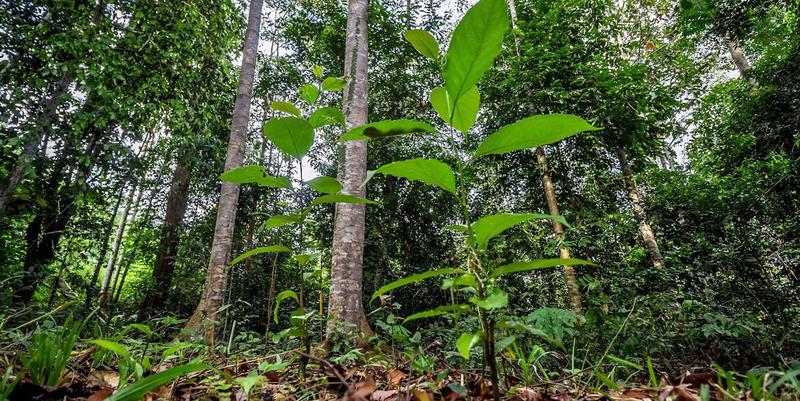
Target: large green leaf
point(285, 107)
point(462, 115)
point(497, 299)
point(424, 42)
point(326, 116)
point(255, 175)
point(429, 171)
point(114, 347)
point(258, 251)
point(439, 311)
point(465, 343)
point(280, 297)
point(341, 198)
point(279, 220)
point(413, 279)
point(309, 93)
point(332, 84)
point(475, 43)
point(294, 136)
point(386, 128)
point(325, 185)
point(489, 226)
point(532, 132)
point(536, 265)
point(136, 391)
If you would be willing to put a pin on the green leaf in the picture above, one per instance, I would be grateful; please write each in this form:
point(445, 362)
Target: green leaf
point(386, 128)
point(255, 175)
point(624, 362)
point(439, 311)
point(114, 347)
point(326, 116)
point(325, 185)
point(532, 132)
point(461, 115)
point(260, 250)
point(292, 135)
point(465, 343)
point(145, 329)
point(536, 265)
point(413, 279)
point(285, 107)
point(332, 84)
point(248, 382)
point(136, 391)
point(497, 299)
point(309, 93)
point(280, 297)
point(475, 43)
point(489, 226)
point(467, 280)
point(303, 259)
point(423, 42)
point(429, 171)
point(341, 198)
point(279, 220)
point(317, 71)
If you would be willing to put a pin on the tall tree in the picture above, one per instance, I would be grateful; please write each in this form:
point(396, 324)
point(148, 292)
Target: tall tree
point(217, 272)
point(345, 306)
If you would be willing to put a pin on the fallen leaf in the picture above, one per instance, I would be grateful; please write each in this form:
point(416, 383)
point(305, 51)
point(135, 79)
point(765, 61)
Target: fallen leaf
point(420, 395)
point(103, 378)
point(384, 395)
point(395, 377)
point(101, 395)
point(528, 394)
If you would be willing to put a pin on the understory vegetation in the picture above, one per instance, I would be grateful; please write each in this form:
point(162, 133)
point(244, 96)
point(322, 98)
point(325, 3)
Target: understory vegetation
point(399, 200)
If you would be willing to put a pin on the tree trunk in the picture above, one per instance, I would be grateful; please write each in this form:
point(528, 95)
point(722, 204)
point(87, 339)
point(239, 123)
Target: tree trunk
point(569, 273)
point(573, 291)
point(134, 247)
point(217, 274)
point(170, 235)
point(101, 257)
point(109, 273)
point(345, 305)
point(123, 248)
point(740, 60)
point(638, 210)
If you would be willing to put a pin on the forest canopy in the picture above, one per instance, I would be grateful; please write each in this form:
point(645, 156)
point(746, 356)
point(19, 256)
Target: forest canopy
point(399, 200)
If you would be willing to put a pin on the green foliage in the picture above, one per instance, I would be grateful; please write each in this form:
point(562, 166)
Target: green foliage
point(413, 279)
point(326, 116)
point(259, 251)
point(291, 135)
point(324, 184)
point(255, 175)
point(517, 267)
point(488, 227)
point(465, 343)
point(286, 107)
point(136, 390)
point(49, 352)
point(460, 114)
point(332, 84)
point(7, 385)
point(532, 132)
point(309, 93)
point(423, 42)
point(385, 129)
point(429, 171)
point(341, 199)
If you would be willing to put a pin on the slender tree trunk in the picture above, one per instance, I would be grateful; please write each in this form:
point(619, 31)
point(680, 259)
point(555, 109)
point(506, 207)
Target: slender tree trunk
point(134, 247)
point(740, 60)
point(569, 272)
point(170, 235)
point(573, 291)
point(217, 275)
point(123, 248)
point(109, 273)
point(345, 305)
point(645, 229)
point(101, 257)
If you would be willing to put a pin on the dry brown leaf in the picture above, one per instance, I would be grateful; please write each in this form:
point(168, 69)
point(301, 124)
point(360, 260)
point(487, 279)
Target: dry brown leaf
point(395, 377)
point(384, 395)
point(101, 395)
point(529, 394)
point(420, 395)
point(103, 378)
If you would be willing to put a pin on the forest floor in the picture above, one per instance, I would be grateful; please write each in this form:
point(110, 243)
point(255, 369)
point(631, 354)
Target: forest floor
point(269, 378)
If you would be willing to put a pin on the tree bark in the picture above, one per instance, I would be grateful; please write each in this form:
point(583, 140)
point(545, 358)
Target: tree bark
point(345, 305)
point(170, 235)
point(645, 229)
point(109, 273)
point(740, 60)
point(217, 274)
point(123, 248)
point(573, 290)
